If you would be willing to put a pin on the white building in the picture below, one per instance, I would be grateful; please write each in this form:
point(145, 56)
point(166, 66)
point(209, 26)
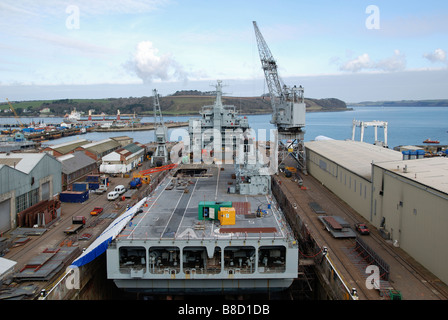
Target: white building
point(123, 160)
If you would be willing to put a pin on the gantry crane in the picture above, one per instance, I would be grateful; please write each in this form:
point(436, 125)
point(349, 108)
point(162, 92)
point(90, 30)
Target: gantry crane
point(160, 155)
point(288, 105)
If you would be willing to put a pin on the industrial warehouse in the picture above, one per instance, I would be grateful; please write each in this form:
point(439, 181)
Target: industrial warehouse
point(26, 179)
point(406, 200)
point(29, 178)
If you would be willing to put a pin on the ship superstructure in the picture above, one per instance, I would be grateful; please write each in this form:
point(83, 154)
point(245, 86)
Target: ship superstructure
point(216, 120)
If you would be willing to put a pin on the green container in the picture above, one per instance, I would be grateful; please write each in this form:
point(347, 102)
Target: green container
point(208, 210)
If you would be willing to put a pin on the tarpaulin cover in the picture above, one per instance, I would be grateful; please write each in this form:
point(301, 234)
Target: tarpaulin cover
point(101, 243)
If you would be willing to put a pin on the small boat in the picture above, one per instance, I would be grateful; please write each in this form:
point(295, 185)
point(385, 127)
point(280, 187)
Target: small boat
point(431, 141)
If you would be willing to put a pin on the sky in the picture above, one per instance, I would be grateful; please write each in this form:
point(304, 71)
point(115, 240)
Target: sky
point(353, 50)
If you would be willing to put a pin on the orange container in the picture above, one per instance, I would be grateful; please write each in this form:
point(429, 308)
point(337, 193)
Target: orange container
point(226, 216)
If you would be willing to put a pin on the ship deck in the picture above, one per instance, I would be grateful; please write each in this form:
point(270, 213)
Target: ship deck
point(172, 210)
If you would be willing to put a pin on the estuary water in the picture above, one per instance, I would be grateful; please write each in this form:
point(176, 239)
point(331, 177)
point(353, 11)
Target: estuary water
point(406, 125)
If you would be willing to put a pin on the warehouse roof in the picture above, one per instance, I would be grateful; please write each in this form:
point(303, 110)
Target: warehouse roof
point(431, 172)
point(24, 162)
point(126, 152)
point(75, 161)
point(67, 147)
point(101, 146)
point(134, 147)
point(353, 155)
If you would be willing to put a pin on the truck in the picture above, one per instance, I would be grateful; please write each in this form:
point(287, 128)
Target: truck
point(101, 189)
point(135, 183)
point(78, 223)
point(96, 211)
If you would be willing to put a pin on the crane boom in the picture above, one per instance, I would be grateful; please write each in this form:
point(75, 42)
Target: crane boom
point(269, 67)
point(160, 155)
point(157, 109)
point(157, 169)
point(15, 114)
point(288, 104)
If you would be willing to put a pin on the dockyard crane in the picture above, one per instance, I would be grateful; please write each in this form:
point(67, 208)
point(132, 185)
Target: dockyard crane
point(288, 104)
point(160, 155)
point(15, 115)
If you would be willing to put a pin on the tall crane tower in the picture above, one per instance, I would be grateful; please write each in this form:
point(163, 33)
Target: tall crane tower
point(160, 156)
point(288, 105)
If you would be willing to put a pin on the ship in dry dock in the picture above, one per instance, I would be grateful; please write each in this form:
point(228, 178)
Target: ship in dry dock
point(207, 228)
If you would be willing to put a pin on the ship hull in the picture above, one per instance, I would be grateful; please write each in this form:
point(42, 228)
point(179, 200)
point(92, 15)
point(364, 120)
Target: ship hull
point(199, 287)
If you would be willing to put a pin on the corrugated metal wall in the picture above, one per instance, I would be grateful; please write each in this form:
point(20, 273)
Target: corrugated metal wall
point(348, 186)
point(415, 216)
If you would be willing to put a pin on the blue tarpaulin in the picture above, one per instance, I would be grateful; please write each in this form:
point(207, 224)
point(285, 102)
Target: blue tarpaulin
point(101, 243)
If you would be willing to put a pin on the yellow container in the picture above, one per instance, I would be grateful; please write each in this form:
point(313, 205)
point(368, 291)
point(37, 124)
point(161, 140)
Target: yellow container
point(226, 216)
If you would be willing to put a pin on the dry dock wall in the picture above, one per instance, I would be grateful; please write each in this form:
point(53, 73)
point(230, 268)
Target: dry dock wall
point(331, 286)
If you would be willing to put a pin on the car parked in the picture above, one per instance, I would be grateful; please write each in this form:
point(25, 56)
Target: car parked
point(96, 211)
point(362, 228)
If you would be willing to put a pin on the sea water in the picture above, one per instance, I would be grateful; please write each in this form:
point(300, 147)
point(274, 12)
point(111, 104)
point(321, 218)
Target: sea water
point(406, 125)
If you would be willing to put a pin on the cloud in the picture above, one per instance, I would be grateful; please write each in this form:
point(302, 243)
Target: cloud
point(363, 62)
point(357, 64)
point(149, 65)
point(395, 63)
point(439, 55)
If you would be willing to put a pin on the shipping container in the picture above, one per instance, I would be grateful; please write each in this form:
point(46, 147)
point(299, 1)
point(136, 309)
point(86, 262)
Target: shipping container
point(208, 210)
point(80, 186)
point(74, 196)
point(94, 185)
point(93, 178)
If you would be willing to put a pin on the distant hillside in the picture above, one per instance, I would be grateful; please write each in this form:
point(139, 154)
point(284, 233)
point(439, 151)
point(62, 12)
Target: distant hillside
point(329, 104)
point(403, 103)
point(180, 103)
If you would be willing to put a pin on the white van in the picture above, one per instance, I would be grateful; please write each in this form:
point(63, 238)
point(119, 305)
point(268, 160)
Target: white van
point(112, 195)
point(120, 189)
